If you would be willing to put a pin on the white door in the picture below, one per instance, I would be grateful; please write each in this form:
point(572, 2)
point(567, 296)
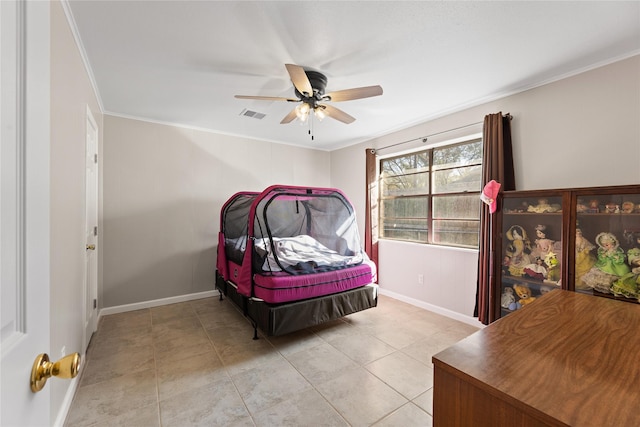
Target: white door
point(91, 234)
point(24, 201)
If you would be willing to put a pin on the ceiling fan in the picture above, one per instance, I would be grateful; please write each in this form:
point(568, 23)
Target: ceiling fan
point(309, 89)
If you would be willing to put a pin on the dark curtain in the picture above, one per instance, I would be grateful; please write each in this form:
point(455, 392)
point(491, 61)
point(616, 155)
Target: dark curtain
point(371, 208)
point(497, 164)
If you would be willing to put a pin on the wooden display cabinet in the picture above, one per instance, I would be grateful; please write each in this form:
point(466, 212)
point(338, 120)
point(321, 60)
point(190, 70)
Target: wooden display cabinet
point(605, 242)
point(555, 239)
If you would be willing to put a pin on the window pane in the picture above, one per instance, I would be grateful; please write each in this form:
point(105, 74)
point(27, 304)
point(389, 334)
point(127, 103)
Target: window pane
point(457, 233)
point(457, 180)
point(437, 189)
point(405, 229)
point(415, 162)
point(457, 207)
point(403, 185)
point(458, 155)
point(406, 207)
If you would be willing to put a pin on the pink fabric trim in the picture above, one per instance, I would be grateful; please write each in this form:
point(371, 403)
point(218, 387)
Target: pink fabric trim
point(285, 287)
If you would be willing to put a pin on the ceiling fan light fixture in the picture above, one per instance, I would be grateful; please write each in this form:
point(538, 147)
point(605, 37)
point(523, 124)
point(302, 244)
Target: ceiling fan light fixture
point(302, 112)
point(319, 113)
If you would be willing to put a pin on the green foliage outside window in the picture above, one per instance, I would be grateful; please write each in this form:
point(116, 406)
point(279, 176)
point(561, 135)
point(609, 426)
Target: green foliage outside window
point(433, 196)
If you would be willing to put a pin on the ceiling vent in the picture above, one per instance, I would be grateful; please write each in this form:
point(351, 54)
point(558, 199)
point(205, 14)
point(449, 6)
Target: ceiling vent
point(254, 114)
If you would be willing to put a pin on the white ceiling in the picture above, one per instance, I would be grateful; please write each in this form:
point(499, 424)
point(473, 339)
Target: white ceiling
point(182, 62)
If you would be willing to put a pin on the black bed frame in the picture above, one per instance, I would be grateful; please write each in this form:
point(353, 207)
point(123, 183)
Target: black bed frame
point(283, 318)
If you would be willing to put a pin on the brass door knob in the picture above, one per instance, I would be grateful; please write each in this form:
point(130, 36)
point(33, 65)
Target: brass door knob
point(43, 369)
point(91, 247)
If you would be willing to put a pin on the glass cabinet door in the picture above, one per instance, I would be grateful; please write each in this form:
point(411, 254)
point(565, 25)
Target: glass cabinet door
point(531, 233)
point(607, 245)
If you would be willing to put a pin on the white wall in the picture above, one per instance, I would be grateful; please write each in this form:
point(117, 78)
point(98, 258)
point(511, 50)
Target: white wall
point(577, 132)
point(164, 187)
point(71, 93)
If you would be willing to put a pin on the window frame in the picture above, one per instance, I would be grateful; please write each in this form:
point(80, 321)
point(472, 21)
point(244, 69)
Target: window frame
point(430, 194)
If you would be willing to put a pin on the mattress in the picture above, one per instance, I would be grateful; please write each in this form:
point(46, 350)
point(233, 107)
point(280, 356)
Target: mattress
point(283, 287)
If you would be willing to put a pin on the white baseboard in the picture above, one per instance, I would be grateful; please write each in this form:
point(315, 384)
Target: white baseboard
point(473, 321)
point(156, 303)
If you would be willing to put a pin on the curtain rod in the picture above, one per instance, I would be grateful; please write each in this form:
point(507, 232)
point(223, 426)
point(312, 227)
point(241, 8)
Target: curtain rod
point(424, 138)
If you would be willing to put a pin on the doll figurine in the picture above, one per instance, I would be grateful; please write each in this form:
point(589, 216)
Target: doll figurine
point(518, 250)
point(627, 207)
point(585, 259)
point(542, 245)
point(507, 298)
point(543, 206)
point(553, 267)
point(537, 271)
point(581, 206)
point(629, 285)
point(610, 264)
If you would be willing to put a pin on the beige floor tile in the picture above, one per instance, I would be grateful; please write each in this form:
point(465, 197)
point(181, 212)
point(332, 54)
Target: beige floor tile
point(424, 349)
point(407, 416)
point(107, 399)
point(360, 397)
point(122, 322)
point(322, 363)
point(216, 404)
point(403, 373)
point(196, 364)
point(425, 401)
point(205, 305)
point(333, 329)
point(269, 384)
point(296, 341)
point(399, 335)
point(172, 329)
point(116, 338)
point(182, 343)
point(115, 362)
point(147, 416)
point(461, 330)
point(234, 334)
point(165, 313)
point(308, 408)
point(221, 317)
point(178, 376)
point(433, 320)
point(248, 355)
point(362, 348)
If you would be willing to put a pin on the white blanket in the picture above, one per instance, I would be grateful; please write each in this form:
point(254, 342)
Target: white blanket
point(301, 249)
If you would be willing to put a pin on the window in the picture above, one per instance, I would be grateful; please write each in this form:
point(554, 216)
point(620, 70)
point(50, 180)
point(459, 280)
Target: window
point(433, 196)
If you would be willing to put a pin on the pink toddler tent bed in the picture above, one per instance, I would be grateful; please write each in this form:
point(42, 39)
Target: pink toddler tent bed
point(290, 257)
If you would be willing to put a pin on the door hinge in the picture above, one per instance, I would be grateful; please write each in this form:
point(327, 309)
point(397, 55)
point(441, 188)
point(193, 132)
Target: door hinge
point(95, 158)
point(95, 230)
point(95, 303)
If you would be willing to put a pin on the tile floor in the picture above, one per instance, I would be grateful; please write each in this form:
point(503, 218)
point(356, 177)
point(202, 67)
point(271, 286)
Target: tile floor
point(195, 364)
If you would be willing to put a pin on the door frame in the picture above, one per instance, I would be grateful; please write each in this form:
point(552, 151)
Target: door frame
point(90, 288)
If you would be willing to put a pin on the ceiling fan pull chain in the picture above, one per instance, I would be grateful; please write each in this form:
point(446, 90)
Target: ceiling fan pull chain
point(311, 114)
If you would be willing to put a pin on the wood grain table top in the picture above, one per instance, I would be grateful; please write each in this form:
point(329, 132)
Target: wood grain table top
point(570, 356)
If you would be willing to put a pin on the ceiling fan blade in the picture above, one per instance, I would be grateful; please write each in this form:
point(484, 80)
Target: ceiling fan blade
point(337, 114)
point(267, 98)
point(356, 93)
point(289, 117)
point(299, 79)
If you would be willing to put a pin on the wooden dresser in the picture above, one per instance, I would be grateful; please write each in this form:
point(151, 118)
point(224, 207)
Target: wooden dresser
point(566, 359)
